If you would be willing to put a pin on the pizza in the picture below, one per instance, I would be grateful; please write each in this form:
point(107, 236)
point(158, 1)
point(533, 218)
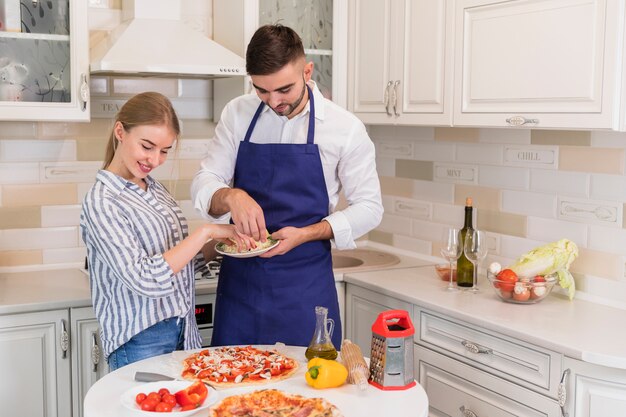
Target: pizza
point(232, 366)
point(273, 403)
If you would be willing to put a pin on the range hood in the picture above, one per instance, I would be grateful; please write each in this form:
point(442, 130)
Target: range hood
point(152, 41)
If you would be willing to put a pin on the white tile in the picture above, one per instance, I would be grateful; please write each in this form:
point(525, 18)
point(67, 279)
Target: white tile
point(395, 224)
point(479, 154)
point(193, 108)
point(65, 255)
point(83, 188)
point(17, 130)
point(37, 150)
point(47, 238)
point(428, 230)
point(455, 173)
point(401, 132)
point(607, 239)
point(432, 191)
point(394, 149)
point(513, 247)
point(504, 177)
point(19, 173)
point(427, 151)
point(105, 108)
point(188, 210)
point(493, 243)
point(411, 244)
point(449, 214)
point(131, 86)
point(608, 187)
point(57, 216)
point(529, 204)
point(412, 208)
point(605, 213)
point(560, 182)
point(192, 148)
point(550, 230)
point(99, 86)
point(517, 136)
point(167, 171)
point(386, 167)
point(195, 89)
point(57, 172)
point(532, 156)
point(605, 291)
point(389, 203)
point(57, 129)
point(606, 139)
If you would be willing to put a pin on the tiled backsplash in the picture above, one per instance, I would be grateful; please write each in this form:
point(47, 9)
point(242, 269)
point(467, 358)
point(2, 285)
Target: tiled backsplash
point(529, 187)
point(46, 169)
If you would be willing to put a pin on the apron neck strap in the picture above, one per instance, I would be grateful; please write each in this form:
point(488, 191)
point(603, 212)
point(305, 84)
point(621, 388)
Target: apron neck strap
point(310, 137)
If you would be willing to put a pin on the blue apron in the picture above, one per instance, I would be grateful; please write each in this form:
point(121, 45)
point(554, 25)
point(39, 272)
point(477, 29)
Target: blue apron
point(264, 301)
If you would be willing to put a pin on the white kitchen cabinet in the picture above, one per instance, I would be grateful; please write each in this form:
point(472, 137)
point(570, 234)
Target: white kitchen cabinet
point(362, 308)
point(35, 364)
point(44, 69)
point(400, 61)
point(88, 364)
point(457, 389)
point(593, 390)
point(541, 64)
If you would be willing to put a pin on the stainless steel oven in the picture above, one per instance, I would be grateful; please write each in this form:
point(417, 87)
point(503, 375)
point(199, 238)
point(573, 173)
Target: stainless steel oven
point(205, 310)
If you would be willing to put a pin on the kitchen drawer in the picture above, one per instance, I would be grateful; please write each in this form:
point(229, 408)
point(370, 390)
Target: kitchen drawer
point(453, 386)
point(512, 359)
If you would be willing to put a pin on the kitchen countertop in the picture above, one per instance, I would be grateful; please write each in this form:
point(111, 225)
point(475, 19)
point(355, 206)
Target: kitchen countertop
point(579, 329)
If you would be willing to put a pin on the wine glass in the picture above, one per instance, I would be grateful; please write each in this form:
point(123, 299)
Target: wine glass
point(475, 250)
point(451, 250)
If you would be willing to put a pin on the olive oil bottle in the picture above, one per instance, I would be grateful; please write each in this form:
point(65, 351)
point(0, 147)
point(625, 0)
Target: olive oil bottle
point(465, 269)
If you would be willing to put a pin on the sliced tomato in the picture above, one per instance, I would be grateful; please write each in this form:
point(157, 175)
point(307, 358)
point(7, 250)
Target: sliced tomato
point(194, 394)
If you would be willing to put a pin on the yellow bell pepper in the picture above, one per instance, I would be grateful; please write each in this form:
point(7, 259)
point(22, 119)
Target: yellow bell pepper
point(325, 373)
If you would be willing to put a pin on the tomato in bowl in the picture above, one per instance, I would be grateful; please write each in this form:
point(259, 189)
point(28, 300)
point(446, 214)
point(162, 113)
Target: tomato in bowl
point(512, 289)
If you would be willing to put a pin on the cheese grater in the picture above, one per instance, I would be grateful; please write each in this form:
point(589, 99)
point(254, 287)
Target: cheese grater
point(391, 358)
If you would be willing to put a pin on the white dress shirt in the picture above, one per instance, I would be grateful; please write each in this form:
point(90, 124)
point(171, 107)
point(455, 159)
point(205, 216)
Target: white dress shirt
point(346, 151)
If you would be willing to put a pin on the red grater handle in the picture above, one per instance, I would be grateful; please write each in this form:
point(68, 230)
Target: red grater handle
point(403, 327)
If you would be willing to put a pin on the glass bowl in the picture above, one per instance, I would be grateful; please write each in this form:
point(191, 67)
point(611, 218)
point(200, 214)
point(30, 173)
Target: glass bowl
point(443, 270)
point(523, 291)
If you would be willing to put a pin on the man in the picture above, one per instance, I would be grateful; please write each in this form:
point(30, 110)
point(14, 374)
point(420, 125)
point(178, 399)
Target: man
point(288, 152)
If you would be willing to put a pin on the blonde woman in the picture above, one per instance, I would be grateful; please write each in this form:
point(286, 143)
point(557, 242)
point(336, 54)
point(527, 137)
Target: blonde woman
point(141, 258)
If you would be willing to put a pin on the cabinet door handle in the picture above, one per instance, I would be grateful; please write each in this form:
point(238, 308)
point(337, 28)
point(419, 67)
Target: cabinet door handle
point(95, 352)
point(386, 99)
point(520, 121)
point(395, 97)
point(562, 392)
point(474, 348)
point(64, 340)
point(467, 412)
point(84, 91)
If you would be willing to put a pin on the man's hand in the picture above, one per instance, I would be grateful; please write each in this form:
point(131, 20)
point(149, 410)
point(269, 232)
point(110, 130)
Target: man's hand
point(247, 215)
point(289, 238)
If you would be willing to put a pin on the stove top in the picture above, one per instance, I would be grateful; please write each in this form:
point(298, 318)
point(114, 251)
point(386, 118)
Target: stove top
point(211, 272)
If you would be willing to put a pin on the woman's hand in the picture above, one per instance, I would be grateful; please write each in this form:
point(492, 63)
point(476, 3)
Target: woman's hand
point(228, 234)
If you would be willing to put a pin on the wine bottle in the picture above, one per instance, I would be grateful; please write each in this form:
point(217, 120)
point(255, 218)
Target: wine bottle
point(465, 269)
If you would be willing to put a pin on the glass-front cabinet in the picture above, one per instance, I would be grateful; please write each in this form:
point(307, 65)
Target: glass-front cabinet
point(44, 60)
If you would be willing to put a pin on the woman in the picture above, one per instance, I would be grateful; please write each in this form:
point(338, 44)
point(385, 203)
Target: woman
point(141, 274)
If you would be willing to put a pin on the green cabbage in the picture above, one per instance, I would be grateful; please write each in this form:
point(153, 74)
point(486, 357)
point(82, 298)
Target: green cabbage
point(552, 258)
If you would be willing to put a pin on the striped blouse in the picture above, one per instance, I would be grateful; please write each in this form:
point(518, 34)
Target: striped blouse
point(126, 231)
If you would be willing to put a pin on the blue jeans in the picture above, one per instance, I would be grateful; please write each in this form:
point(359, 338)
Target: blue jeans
point(164, 337)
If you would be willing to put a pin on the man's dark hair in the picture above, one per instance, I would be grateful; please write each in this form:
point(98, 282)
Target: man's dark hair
point(271, 48)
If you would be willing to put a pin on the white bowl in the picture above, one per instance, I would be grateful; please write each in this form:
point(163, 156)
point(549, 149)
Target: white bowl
point(128, 398)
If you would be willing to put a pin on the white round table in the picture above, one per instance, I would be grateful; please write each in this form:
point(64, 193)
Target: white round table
point(103, 398)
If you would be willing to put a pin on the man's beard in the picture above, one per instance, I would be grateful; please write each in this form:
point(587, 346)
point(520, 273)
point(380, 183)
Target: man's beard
point(291, 107)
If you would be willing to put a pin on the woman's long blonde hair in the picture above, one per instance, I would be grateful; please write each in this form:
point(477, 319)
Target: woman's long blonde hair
point(148, 108)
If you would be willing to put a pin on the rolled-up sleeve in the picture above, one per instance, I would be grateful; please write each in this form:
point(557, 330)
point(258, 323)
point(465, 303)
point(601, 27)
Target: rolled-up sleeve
point(359, 180)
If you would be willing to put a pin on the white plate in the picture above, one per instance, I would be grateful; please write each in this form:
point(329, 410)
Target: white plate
point(128, 398)
point(219, 248)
